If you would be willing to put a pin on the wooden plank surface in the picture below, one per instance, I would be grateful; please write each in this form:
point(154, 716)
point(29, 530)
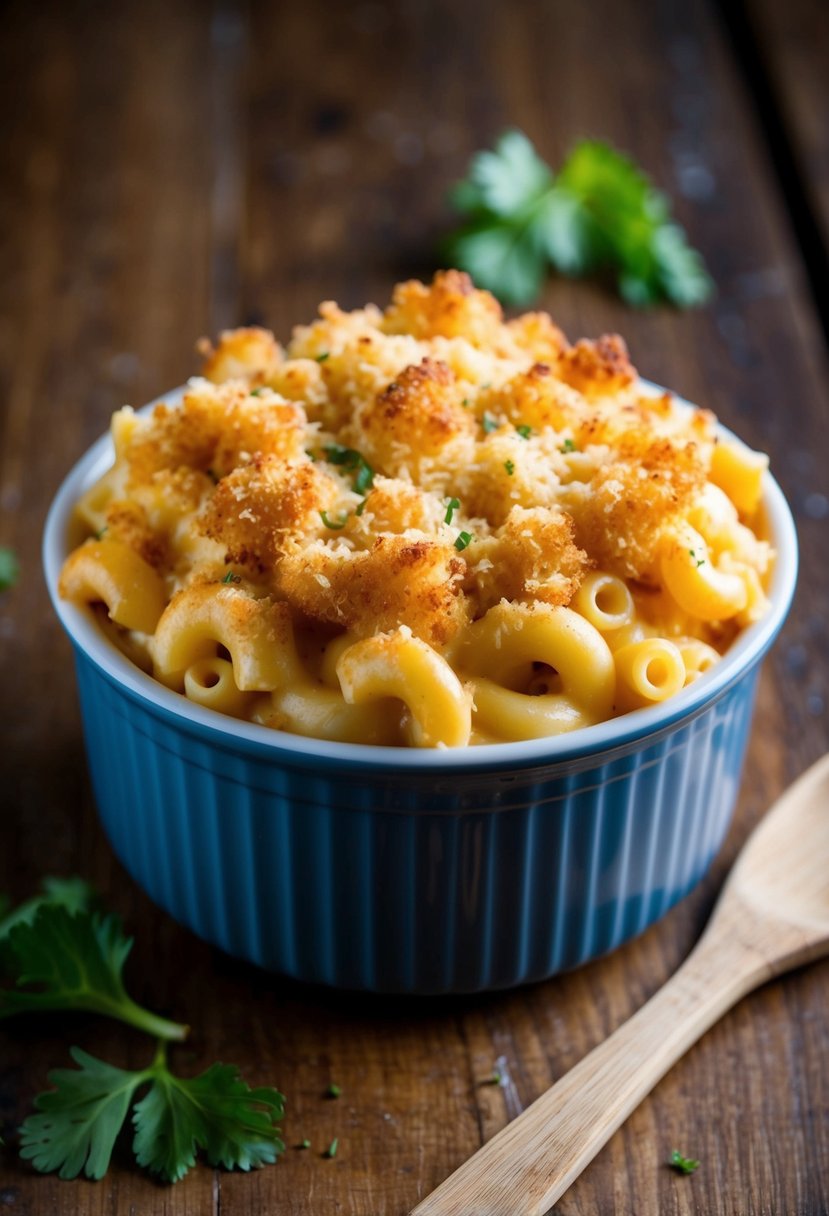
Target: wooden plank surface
point(169, 169)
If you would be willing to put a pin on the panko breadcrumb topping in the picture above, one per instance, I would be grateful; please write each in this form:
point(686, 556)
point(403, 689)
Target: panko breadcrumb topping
point(413, 466)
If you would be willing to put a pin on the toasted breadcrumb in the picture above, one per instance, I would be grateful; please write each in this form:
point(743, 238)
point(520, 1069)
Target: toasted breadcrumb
point(412, 466)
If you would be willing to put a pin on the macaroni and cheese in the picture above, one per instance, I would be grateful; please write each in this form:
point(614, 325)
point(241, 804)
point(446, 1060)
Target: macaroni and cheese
point(424, 525)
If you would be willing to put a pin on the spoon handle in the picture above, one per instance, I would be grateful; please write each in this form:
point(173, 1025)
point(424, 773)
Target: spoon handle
point(526, 1167)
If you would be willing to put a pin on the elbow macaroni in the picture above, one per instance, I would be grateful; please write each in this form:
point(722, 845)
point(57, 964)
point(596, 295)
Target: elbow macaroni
point(425, 527)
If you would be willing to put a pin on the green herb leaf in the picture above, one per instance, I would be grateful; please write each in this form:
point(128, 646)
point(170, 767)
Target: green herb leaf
point(331, 1151)
point(322, 356)
point(600, 210)
point(255, 392)
point(304, 1144)
point(451, 507)
point(462, 540)
point(77, 1123)
point(73, 893)
point(9, 568)
point(489, 424)
point(510, 467)
point(524, 431)
point(334, 524)
point(230, 577)
point(361, 507)
point(353, 461)
point(74, 960)
point(79, 1120)
point(568, 446)
point(215, 1111)
point(333, 1091)
point(683, 1165)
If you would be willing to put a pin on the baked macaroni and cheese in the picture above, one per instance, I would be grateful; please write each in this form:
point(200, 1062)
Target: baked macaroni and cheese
point(424, 525)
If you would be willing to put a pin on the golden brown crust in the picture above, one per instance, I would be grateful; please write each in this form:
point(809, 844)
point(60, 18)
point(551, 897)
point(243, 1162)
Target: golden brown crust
point(449, 307)
point(260, 509)
point(402, 580)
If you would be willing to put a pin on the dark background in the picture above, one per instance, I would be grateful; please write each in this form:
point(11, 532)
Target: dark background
point(167, 169)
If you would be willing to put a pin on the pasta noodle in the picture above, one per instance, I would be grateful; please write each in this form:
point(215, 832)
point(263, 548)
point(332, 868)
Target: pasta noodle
point(425, 526)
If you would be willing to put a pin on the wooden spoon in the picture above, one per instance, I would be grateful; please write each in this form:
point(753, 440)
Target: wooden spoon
point(773, 914)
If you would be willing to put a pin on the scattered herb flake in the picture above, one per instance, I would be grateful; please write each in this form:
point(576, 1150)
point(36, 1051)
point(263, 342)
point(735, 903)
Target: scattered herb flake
point(333, 1091)
point(322, 356)
point(465, 403)
point(568, 446)
point(683, 1165)
point(510, 467)
point(451, 507)
point(334, 524)
point(699, 561)
point(304, 1144)
point(462, 540)
point(361, 507)
point(230, 577)
point(353, 461)
point(255, 392)
point(9, 569)
point(599, 211)
point(524, 431)
point(331, 1151)
point(489, 424)
point(494, 1078)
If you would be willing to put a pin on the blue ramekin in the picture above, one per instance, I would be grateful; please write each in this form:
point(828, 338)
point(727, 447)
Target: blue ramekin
point(401, 870)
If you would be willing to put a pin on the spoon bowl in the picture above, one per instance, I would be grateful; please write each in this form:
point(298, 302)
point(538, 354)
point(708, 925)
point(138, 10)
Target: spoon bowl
point(773, 914)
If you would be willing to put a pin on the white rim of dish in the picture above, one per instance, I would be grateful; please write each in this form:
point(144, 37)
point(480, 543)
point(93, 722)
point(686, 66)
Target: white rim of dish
point(639, 725)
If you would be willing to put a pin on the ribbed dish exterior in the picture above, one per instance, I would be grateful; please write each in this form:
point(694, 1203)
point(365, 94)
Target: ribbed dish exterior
point(411, 881)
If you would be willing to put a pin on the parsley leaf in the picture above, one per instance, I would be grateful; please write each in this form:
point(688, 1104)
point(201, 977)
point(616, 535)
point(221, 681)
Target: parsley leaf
point(73, 893)
point(215, 1111)
point(600, 211)
point(65, 959)
point(451, 507)
point(683, 1165)
point(9, 568)
point(463, 540)
point(77, 1123)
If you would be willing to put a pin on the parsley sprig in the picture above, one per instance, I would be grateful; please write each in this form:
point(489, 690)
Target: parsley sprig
point(73, 958)
point(599, 211)
point(77, 1122)
point(63, 954)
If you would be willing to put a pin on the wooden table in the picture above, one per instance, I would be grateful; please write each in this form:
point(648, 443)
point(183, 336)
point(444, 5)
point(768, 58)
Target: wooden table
point(172, 168)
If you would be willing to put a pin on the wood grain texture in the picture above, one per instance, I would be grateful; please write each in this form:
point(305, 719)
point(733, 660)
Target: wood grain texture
point(169, 169)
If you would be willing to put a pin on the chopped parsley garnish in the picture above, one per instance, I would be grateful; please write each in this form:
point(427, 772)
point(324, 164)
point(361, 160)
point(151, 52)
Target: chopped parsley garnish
point(568, 446)
point(304, 1144)
point(494, 1078)
point(600, 210)
point(322, 356)
point(9, 569)
point(510, 467)
point(361, 507)
point(333, 1091)
point(699, 561)
point(465, 403)
point(489, 424)
point(254, 392)
point(451, 507)
point(354, 462)
point(462, 541)
point(683, 1165)
point(524, 431)
point(230, 577)
point(331, 1151)
point(335, 524)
